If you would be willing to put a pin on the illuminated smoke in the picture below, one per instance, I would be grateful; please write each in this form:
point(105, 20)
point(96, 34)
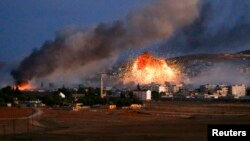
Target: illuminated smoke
point(23, 86)
point(222, 26)
point(74, 49)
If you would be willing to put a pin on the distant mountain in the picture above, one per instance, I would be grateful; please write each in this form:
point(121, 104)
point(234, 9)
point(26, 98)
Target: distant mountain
point(213, 57)
point(226, 65)
point(244, 52)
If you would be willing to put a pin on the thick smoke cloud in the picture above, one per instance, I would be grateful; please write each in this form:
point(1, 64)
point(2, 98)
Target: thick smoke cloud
point(222, 73)
point(74, 49)
point(223, 26)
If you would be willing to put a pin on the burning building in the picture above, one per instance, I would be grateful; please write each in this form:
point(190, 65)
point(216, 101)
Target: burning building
point(22, 86)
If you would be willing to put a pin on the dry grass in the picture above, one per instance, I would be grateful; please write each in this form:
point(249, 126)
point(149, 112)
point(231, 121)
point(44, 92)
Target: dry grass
point(15, 112)
point(172, 121)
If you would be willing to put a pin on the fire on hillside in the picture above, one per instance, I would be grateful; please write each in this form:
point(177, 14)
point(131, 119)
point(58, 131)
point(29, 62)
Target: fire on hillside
point(147, 68)
point(23, 86)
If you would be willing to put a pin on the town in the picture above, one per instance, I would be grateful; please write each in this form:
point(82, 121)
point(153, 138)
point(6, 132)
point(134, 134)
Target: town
point(127, 70)
point(78, 96)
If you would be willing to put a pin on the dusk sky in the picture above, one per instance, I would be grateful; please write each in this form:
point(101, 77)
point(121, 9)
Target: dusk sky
point(26, 25)
point(45, 39)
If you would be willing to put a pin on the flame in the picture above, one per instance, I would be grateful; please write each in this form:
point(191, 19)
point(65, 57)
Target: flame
point(147, 69)
point(23, 86)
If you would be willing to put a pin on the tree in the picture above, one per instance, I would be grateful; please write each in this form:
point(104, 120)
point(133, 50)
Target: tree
point(1, 101)
point(48, 100)
point(81, 90)
point(138, 87)
point(7, 90)
point(156, 95)
point(7, 94)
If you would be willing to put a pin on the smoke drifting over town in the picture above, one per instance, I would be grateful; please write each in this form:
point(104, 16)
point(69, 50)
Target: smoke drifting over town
point(74, 50)
point(222, 26)
point(180, 26)
point(222, 73)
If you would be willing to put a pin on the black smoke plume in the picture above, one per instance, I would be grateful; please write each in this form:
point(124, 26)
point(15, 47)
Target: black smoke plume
point(222, 26)
point(77, 48)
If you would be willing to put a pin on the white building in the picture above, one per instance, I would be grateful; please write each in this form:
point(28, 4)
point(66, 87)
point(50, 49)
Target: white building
point(162, 89)
point(238, 90)
point(222, 91)
point(176, 88)
point(207, 88)
point(143, 95)
point(62, 95)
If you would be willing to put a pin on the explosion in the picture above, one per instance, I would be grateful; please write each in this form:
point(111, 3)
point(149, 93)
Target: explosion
point(77, 48)
point(23, 86)
point(149, 69)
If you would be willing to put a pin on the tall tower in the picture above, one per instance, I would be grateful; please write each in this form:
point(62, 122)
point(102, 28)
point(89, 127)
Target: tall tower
point(102, 94)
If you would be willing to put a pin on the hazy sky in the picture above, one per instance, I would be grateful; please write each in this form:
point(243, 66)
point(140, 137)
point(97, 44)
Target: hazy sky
point(25, 25)
point(217, 26)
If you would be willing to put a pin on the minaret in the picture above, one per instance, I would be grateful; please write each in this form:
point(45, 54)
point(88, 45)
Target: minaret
point(102, 95)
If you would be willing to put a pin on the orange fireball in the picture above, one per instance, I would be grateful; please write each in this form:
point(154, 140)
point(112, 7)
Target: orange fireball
point(23, 86)
point(147, 69)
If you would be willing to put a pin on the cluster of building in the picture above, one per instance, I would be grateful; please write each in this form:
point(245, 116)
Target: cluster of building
point(218, 91)
point(171, 90)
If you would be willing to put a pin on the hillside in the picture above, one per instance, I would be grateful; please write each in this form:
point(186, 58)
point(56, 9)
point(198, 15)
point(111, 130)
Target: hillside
point(244, 52)
point(212, 57)
point(192, 65)
point(228, 67)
